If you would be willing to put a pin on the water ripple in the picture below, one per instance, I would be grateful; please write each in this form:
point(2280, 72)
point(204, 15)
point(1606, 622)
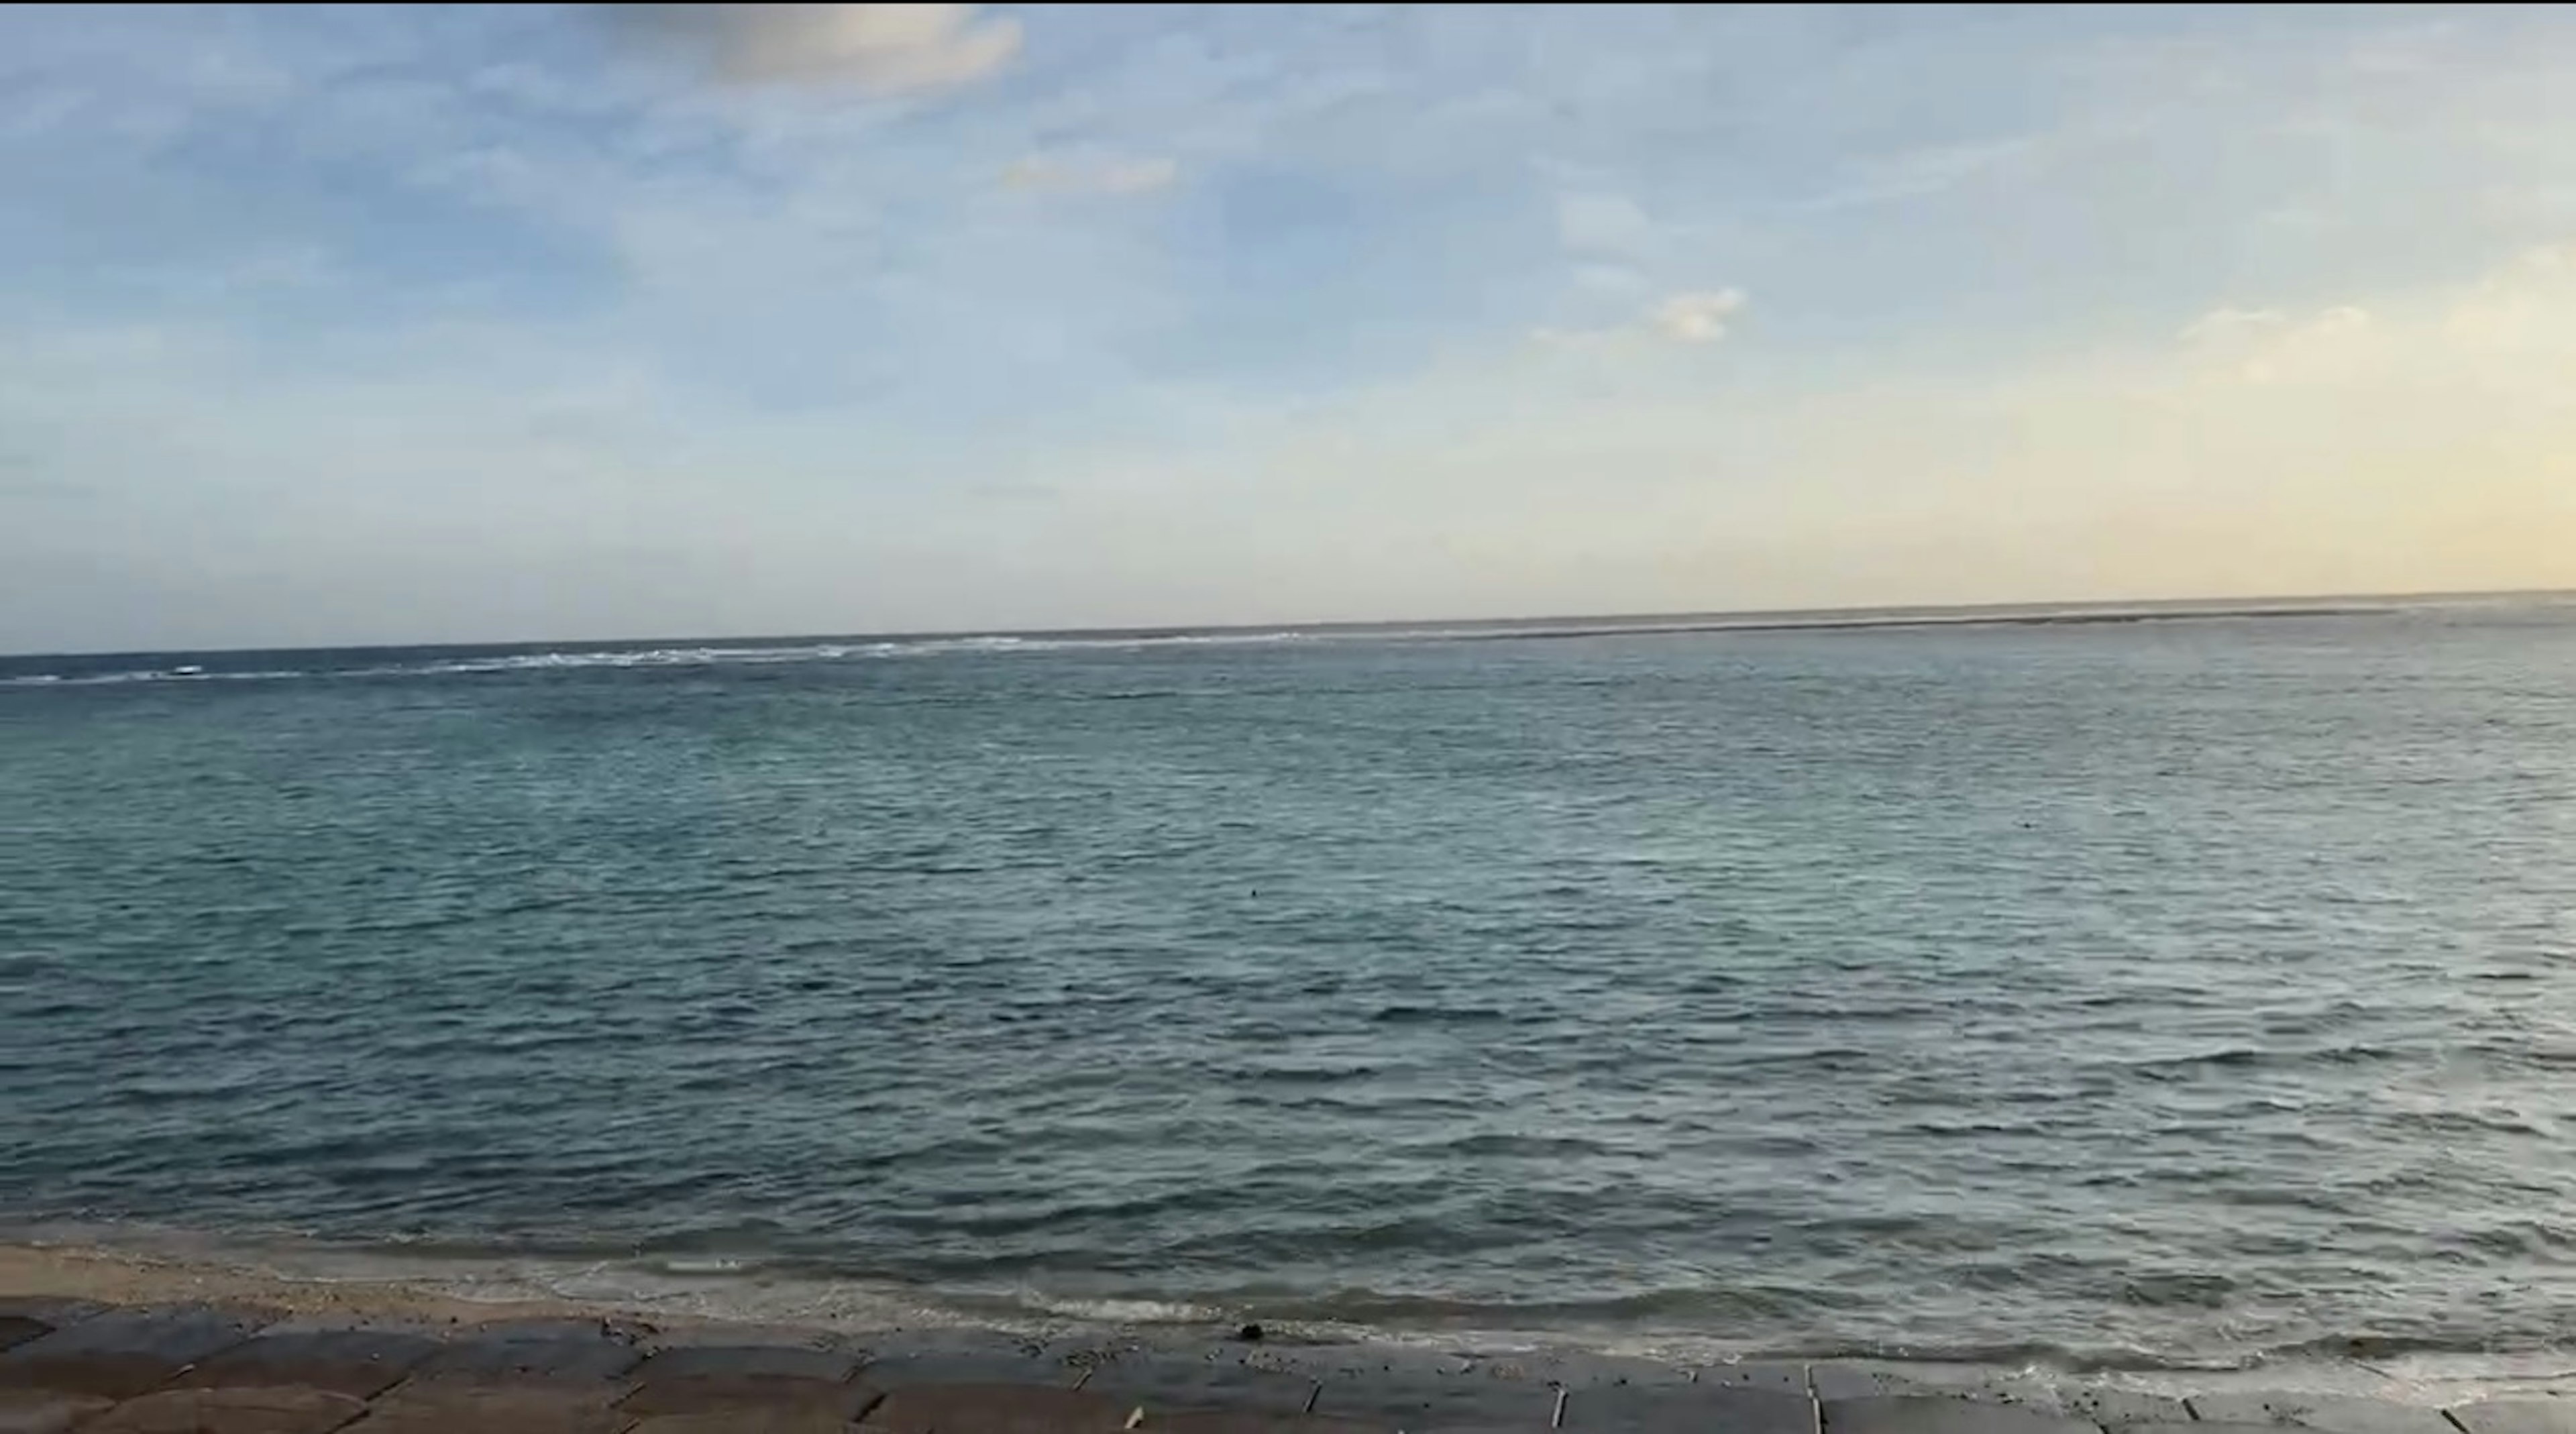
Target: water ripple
point(2104, 994)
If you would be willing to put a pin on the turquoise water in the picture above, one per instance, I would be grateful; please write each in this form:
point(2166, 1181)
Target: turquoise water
point(2143, 992)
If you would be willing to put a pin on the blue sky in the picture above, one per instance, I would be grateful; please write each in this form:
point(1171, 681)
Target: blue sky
point(343, 325)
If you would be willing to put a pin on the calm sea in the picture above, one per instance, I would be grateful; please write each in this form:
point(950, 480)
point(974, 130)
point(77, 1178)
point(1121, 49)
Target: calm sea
point(2193, 990)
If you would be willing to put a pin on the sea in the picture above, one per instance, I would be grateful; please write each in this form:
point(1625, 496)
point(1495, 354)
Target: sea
point(2169, 987)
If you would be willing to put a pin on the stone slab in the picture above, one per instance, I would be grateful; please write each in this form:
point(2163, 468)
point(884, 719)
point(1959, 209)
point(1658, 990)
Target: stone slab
point(939, 1371)
point(2099, 1405)
point(2189, 1426)
point(18, 1329)
point(230, 1411)
point(749, 1361)
point(43, 1411)
point(1162, 1381)
point(745, 1421)
point(1419, 1396)
point(1987, 1387)
point(1078, 1355)
point(1322, 1362)
point(715, 1393)
point(901, 1360)
point(1785, 1375)
point(122, 1353)
point(1247, 1421)
point(2340, 1413)
point(1569, 1369)
point(533, 1357)
point(1688, 1409)
point(2109, 1407)
point(2518, 1416)
point(732, 1332)
point(953, 1344)
point(1854, 1379)
point(995, 1409)
point(51, 1311)
point(610, 1327)
point(797, 1382)
point(338, 1321)
point(1940, 1414)
point(360, 1363)
point(442, 1408)
point(1452, 1391)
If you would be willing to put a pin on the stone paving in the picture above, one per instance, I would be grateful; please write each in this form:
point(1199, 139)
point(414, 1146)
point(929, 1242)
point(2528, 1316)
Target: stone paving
point(69, 1365)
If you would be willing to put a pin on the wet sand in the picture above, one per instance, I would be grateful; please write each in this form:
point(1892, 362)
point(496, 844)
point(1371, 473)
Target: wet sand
point(127, 1278)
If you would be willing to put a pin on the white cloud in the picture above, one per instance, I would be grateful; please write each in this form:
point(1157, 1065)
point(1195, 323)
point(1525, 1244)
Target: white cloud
point(1697, 318)
point(2527, 310)
point(2267, 346)
point(889, 48)
point(1937, 169)
point(2228, 324)
point(1061, 176)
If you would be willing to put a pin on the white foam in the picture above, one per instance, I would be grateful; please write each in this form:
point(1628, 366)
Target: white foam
point(1125, 1312)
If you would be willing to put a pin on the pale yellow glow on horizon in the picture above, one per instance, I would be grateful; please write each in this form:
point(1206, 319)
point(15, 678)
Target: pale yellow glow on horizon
point(2417, 442)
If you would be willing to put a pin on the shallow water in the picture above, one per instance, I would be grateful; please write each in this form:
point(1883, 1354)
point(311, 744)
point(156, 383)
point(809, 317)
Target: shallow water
point(2167, 992)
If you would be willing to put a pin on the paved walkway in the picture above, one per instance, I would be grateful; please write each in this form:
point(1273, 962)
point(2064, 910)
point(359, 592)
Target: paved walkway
point(71, 1365)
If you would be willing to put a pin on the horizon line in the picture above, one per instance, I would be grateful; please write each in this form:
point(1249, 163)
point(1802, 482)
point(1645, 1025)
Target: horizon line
point(1577, 624)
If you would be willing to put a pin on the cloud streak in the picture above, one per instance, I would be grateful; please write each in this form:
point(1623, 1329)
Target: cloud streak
point(1042, 175)
point(2267, 346)
point(1696, 318)
point(1691, 317)
point(894, 49)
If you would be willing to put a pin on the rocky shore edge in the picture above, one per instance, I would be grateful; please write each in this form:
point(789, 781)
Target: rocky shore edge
point(106, 1344)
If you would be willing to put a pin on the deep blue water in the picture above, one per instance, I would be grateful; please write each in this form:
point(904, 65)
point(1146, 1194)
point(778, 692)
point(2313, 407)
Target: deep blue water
point(2163, 991)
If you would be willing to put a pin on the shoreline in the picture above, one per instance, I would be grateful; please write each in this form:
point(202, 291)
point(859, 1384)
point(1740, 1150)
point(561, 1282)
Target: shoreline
point(36, 1271)
point(115, 1343)
point(321, 1291)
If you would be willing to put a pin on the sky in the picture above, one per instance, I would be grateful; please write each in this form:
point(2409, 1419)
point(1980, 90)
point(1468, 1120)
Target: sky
point(360, 325)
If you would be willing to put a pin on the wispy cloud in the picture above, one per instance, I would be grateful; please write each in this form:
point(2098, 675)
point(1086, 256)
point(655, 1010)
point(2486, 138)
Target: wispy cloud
point(892, 48)
point(1045, 175)
point(2268, 346)
point(1916, 173)
point(1697, 317)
